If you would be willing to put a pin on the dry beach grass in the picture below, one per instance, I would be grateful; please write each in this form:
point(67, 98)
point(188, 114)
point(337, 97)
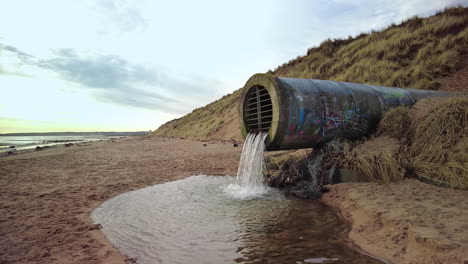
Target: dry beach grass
point(433, 140)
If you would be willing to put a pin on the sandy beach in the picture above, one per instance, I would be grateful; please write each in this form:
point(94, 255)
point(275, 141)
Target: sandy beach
point(47, 198)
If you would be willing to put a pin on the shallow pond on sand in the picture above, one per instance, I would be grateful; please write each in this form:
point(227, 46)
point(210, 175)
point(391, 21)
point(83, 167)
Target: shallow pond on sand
point(202, 219)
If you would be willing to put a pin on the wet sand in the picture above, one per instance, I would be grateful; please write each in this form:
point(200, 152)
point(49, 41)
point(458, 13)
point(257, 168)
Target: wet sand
point(46, 199)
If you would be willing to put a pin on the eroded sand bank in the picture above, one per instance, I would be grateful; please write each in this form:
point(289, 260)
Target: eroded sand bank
point(405, 222)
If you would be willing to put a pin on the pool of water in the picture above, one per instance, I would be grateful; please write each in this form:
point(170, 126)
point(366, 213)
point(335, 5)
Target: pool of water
point(203, 219)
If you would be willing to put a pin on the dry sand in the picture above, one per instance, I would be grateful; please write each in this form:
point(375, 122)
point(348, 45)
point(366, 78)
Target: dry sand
point(405, 222)
point(47, 198)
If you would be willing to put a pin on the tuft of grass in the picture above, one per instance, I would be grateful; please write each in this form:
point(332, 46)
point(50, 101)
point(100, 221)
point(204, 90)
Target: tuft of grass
point(382, 166)
point(438, 148)
point(395, 123)
point(376, 159)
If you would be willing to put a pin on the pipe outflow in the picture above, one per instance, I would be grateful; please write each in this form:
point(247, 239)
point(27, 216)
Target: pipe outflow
point(304, 113)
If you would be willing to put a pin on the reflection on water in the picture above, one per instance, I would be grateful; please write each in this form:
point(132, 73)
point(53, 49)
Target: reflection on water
point(196, 220)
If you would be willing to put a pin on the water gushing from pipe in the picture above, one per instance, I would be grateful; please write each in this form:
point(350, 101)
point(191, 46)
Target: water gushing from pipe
point(249, 180)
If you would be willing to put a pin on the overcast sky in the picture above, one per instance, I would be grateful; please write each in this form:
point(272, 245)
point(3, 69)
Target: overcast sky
point(123, 65)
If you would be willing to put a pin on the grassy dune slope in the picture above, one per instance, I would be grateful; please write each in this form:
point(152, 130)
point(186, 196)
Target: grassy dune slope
point(218, 120)
point(418, 53)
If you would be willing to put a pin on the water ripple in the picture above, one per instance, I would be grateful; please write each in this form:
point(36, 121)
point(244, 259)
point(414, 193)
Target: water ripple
point(195, 221)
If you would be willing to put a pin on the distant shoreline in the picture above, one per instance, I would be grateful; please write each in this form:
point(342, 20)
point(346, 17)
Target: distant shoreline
point(110, 133)
point(20, 143)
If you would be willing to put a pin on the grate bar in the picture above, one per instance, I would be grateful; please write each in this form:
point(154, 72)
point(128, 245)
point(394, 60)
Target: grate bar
point(259, 115)
point(256, 117)
point(254, 126)
point(254, 103)
point(262, 112)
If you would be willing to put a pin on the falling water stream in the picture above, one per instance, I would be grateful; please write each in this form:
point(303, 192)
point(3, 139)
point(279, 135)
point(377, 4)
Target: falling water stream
point(222, 219)
point(249, 180)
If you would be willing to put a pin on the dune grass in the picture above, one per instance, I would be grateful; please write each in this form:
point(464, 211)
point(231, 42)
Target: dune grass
point(376, 159)
point(395, 123)
point(433, 138)
point(413, 54)
point(438, 147)
point(382, 166)
point(204, 122)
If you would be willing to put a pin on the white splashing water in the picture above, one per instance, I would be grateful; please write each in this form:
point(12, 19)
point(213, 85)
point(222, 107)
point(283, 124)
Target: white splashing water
point(249, 180)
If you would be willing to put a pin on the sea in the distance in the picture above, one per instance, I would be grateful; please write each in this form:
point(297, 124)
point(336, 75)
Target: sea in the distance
point(21, 141)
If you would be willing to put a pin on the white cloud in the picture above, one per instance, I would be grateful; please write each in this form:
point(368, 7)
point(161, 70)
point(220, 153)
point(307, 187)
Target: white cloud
point(112, 79)
point(122, 13)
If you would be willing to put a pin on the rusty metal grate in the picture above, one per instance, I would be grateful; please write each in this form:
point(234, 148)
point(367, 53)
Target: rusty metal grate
point(258, 110)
